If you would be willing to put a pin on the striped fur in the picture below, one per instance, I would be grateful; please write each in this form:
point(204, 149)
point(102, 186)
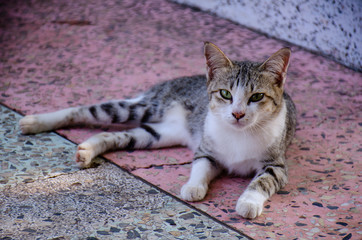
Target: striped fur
point(245, 132)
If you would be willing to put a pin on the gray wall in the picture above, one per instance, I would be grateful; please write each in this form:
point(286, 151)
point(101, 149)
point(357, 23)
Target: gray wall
point(332, 28)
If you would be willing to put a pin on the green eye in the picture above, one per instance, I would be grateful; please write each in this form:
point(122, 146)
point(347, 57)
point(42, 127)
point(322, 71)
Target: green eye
point(225, 94)
point(256, 97)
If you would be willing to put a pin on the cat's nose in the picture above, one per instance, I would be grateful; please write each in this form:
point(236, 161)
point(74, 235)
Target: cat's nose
point(238, 115)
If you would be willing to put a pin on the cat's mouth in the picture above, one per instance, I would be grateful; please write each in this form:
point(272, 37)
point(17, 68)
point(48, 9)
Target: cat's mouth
point(238, 124)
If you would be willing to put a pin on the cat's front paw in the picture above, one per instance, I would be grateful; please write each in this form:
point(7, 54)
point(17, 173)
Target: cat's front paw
point(192, 193)
point(250, 204)
point(84, 155)
point(30, 124)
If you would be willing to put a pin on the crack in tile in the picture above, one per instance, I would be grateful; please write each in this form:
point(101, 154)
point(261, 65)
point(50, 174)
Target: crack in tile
point(163, 165)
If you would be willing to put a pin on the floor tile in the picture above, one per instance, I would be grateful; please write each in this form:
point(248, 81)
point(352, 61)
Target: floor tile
point(24, 159)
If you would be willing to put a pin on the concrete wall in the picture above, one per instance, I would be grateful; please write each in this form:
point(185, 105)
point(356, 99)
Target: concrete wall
point(330, 27)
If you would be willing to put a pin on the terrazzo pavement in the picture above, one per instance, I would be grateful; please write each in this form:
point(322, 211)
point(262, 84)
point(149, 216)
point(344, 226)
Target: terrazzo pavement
point(61, 54)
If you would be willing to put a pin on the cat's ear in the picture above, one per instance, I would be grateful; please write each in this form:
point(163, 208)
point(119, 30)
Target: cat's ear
point(216, 60)
point(278, 64)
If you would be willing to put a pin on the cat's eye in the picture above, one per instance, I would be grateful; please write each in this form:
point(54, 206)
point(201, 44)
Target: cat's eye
point(256, 97)
point(225, 94)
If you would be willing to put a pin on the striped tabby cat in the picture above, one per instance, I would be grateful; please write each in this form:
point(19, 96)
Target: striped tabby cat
point(237, 118)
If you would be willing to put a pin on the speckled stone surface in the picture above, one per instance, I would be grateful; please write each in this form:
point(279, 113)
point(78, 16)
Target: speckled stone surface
point(51, 198)
point(24, 159)
point(75, 53)
point(332, 28)
point(100, 203)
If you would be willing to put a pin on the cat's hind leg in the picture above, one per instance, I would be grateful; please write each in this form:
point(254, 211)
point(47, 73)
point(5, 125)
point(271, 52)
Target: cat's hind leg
point(48, 121)
point(171, 131)
point(127, 112)
point(142, 137)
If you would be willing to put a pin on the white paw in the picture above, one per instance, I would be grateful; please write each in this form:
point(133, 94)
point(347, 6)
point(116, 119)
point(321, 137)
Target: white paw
point(250, 204)
point(84, 155)
point(190, 192)
point(30, 124)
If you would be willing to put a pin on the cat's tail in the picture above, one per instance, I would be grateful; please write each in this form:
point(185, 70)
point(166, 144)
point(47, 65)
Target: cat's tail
point(131, 112)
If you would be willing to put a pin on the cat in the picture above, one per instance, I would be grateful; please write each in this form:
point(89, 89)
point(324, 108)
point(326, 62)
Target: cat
point(236, 118)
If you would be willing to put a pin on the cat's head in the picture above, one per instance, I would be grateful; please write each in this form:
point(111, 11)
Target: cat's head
point(245, 94)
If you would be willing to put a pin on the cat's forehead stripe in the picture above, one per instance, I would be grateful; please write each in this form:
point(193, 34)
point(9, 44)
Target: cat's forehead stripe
point(243, 76)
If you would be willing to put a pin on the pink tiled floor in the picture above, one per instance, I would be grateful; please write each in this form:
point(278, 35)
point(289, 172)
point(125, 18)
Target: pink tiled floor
point(55, 55)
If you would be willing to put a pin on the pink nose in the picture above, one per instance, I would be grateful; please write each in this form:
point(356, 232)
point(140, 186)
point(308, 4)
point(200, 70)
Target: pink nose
point(238, 115)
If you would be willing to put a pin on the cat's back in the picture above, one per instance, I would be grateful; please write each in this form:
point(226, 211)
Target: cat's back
point(182, 87)
point(190, 92)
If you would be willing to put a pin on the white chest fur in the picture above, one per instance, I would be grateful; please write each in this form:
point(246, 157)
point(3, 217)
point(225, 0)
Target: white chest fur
point(240, 151)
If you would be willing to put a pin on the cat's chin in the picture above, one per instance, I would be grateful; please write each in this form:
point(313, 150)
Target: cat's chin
point(238, 125)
